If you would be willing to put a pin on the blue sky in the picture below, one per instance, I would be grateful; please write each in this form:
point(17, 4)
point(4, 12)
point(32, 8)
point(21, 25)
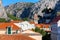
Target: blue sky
point(7, 2)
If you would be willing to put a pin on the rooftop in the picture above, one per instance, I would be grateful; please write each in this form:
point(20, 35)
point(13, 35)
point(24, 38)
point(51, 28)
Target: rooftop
point(15, 37)
point(42, 25)
point(25, 25)
point(5, 25)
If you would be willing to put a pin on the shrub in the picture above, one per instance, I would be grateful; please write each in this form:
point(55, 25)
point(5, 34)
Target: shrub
point(13, 17)
point(25, 19)
point(2, 20)
point(41, 31)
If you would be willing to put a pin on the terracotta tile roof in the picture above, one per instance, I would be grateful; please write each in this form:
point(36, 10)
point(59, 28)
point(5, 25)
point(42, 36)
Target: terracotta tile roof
point(15, 37)
point(15, 21)
point(32, 22)
point(42, 25)
point(39, 25)
point(4, 26)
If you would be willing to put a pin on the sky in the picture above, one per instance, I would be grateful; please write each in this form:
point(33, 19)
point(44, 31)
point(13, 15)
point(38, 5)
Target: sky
point(8, 2)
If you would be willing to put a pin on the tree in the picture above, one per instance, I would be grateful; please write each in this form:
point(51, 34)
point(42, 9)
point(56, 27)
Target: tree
point(13, 17)
point(41, 31)
point(2, 20)
point(45, 34)
point(25, 19)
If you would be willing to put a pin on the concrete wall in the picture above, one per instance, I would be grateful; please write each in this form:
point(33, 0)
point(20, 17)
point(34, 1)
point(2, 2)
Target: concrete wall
point(2, 31)
point(15, 31)
point(46, 29)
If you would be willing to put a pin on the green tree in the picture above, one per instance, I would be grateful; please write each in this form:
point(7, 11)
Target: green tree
point(2, 20)
point(41, 31)
point(25, 19)
point(13, 17)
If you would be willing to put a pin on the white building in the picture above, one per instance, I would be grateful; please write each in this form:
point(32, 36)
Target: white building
point(25, 25)
point(55, 31)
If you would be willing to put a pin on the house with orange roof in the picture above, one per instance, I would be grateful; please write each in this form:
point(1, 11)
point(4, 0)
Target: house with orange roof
point(45, 27)
point(9, 28)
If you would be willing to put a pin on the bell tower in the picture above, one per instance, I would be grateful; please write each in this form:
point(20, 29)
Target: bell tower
point(2, 11)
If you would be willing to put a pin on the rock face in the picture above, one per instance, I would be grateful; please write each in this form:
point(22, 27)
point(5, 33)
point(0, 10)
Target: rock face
point(23, 10)
point(57, 7)
point(42, 4)
point(20, 10)
point(46, 16)
point(2, 11)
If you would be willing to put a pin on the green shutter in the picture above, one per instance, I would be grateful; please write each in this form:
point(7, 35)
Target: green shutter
point(9, 30)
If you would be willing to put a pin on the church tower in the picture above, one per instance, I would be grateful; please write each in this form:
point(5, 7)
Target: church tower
point(2, 11)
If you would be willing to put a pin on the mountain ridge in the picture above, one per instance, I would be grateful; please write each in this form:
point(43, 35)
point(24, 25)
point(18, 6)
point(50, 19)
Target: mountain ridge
point(27, 10)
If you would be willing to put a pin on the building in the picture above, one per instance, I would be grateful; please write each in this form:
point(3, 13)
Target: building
point(55, 34)
point(12, 31)
point(32, 34)
point(56, 19)
point(45, 27)
point(36, 18)
point(55, 30)
point(9, 28)
point(25, 25)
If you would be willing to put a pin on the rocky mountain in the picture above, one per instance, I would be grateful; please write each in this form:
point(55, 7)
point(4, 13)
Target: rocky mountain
point(2, 11)
point(42, 4)
point(23, 10)
point(19, 9)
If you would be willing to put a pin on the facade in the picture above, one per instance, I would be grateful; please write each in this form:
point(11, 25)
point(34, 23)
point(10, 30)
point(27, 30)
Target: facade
point(45, 27)
point(9, 28)
point(35, 18)
point(55, 31)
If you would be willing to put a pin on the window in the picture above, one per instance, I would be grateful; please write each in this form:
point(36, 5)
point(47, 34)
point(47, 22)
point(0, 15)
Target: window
point(9, 30)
